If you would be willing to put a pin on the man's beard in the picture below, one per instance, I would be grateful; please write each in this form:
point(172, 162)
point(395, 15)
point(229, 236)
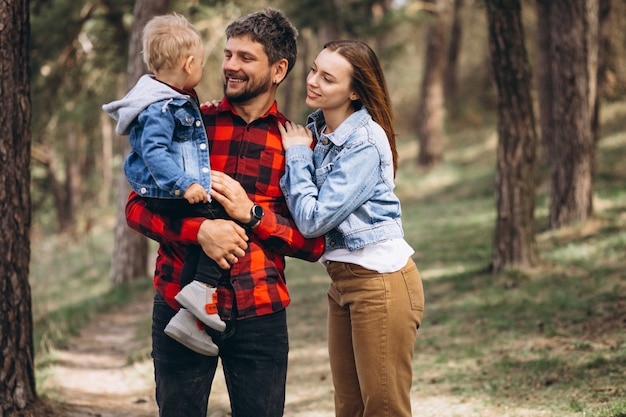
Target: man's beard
point(251, 91)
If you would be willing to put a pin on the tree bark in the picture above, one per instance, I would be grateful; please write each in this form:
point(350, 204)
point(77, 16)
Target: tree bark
point(330, 28)
point(73, 176)
point(430, 110)
point(572, 149)
point(17, 376)
point(106, 167)
point(604, 46)
point(451, 74)
point(130, 250)
point(514, 240)
point(544, 79)
point(48, 158)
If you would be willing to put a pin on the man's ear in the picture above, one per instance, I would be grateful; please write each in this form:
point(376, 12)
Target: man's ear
point(280, 71)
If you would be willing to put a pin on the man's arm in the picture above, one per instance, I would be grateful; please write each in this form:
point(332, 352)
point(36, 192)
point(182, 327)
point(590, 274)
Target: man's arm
point(276, 230)
point(160, 228)
point(282, 233)
point(220, 239)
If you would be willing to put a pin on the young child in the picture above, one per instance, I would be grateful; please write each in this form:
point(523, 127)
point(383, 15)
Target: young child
point(169, 162)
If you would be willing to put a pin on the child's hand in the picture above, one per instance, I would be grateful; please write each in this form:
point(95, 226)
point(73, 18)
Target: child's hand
point(211, 103)
point(295, 134)
point(196, 194)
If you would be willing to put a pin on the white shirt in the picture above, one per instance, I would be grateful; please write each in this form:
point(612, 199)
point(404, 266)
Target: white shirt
point(384, 257)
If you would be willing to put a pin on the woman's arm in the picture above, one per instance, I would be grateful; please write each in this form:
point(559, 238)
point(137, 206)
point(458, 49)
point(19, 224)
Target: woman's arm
point(348, 182)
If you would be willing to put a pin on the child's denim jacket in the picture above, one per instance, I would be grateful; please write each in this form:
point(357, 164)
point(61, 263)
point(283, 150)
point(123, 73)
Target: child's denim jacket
point(169, 145)
point(343, 188)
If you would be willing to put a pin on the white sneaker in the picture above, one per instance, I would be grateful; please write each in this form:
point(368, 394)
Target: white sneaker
point(186, 329)
point(201, 301)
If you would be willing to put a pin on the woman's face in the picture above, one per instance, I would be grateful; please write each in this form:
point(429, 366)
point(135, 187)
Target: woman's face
point(329, 83)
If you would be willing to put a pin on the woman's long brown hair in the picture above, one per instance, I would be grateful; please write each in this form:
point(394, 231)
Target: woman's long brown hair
point(369, 84)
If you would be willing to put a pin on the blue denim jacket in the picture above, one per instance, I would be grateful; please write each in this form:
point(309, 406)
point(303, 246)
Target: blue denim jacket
point(169, 145)
point(344, 187)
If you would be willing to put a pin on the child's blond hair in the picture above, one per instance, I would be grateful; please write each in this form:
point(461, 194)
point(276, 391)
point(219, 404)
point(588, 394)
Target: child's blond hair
point(167, 39)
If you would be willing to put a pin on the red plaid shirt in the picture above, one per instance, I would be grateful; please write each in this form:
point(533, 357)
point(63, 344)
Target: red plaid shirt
point(253, 155)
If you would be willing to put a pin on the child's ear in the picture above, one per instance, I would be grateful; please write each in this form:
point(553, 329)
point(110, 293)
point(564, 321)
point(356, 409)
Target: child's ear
point(187, 64)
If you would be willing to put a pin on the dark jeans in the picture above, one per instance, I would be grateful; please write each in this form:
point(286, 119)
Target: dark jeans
point(197, 265)
point(254, 359)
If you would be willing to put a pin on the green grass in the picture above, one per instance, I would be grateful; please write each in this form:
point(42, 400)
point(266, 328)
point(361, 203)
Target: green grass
point(69, 284)
point(550, 339)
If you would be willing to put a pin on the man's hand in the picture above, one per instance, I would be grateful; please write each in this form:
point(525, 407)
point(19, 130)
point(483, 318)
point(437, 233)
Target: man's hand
point(223, 241)
point(231, 195)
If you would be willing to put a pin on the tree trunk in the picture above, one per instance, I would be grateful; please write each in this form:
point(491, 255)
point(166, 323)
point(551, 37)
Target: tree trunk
point(514, 240)
point(73, 176)
point(604, 46)
point(17, 375)
point(130, 251)
point(572, 150)
point(544, 79)
point(612, 36)
point(106, 167)
point(451, 74)
point(430, 110)
point(47, 157)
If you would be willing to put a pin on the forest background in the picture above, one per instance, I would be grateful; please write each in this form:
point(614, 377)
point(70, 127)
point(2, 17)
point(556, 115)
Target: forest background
point(535, 330)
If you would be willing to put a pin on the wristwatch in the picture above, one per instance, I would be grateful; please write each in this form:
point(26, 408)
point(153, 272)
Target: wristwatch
point(256, 213)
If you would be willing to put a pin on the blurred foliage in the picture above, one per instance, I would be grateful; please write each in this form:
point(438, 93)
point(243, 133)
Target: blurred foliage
point(78, 57)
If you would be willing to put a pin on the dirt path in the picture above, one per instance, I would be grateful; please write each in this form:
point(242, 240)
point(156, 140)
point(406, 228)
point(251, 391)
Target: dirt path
point(92, 377)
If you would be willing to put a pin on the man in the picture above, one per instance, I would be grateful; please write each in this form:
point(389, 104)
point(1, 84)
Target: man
point(248, 159)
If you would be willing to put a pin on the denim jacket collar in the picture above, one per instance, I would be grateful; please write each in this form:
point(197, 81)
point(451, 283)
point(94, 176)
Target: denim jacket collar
point(355, 121)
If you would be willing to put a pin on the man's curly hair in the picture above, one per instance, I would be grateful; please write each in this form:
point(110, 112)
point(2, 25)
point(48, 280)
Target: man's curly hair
point(272, 29)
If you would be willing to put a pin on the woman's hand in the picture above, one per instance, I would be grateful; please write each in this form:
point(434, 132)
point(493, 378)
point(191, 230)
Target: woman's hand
point(295, 134)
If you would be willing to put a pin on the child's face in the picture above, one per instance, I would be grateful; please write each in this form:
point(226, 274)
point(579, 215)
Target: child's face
point(195, 68)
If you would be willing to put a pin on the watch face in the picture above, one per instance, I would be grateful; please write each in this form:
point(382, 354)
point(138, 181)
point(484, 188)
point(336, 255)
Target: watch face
point(257, 211)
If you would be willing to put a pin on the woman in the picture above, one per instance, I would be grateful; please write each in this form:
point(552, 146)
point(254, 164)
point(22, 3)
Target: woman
point(343, 189)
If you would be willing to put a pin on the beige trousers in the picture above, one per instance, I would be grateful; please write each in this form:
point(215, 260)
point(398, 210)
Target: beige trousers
point(372, 325)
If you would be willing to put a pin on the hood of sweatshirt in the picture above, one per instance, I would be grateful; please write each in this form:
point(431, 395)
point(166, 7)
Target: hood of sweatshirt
point(146, 92)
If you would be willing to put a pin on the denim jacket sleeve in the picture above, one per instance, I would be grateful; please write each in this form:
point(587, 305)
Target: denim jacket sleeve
point(321, 199)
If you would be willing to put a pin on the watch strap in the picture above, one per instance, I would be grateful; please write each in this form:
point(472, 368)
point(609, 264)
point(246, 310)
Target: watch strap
point(255, 218)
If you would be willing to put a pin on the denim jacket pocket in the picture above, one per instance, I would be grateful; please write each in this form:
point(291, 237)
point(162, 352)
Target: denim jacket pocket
point(322, 173)
point(184, 125)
